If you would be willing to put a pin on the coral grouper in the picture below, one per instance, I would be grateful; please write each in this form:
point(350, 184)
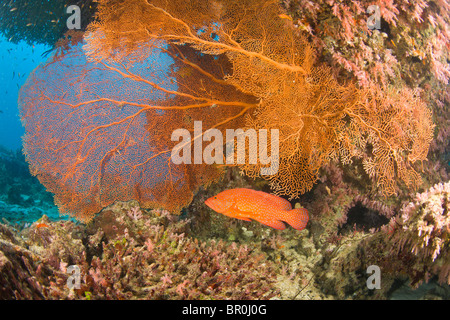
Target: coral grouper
point(247, 204)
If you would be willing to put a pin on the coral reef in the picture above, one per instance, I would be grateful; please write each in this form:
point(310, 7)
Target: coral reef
point(255, 71)
point(127, 252)
point(122, 257)
point(416, 32)
point(409, 48)
point(423, 229)
point(428, 218)
point(354, 107)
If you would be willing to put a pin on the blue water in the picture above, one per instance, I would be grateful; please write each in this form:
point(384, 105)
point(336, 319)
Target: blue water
point(16, 63)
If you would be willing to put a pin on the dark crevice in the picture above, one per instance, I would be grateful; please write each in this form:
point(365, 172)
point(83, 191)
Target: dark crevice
point(360, 218)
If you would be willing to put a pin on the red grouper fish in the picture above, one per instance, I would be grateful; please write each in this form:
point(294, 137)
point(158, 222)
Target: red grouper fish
point(248, 204)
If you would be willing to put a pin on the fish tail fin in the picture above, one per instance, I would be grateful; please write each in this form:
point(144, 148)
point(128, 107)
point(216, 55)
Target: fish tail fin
point(297, 218)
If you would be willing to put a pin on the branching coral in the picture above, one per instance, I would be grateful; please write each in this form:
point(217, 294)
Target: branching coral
point(122, 258)
point(172, 266)
point(423, 230)
point(427, 221)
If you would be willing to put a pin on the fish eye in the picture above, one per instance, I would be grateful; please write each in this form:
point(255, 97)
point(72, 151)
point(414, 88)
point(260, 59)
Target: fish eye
point(215, 197)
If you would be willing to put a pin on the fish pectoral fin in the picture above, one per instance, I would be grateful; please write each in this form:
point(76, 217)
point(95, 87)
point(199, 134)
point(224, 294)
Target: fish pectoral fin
point(238, 214)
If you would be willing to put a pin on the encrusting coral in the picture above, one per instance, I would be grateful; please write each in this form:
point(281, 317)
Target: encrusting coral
point(151, 67)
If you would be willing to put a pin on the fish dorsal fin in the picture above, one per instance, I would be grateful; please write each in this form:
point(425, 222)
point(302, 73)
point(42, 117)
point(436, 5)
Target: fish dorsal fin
point(279, 202)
